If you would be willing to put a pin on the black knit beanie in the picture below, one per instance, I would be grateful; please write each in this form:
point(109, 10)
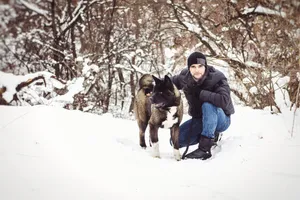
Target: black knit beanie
point(196, 58)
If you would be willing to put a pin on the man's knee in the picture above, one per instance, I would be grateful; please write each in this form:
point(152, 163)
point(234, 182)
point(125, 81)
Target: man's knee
point(207, 105)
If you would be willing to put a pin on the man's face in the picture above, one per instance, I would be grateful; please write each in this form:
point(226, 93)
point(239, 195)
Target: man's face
point(197, 71)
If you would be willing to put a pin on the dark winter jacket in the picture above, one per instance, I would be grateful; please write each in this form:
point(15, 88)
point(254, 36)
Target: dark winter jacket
point(212, 88)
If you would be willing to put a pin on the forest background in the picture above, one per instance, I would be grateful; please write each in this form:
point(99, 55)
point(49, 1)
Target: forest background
point(109, 44)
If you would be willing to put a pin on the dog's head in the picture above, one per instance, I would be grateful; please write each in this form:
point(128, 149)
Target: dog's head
point(163, 93)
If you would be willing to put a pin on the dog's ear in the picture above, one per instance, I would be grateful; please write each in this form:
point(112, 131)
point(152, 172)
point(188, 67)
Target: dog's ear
point(168, 82)
point(156, 80)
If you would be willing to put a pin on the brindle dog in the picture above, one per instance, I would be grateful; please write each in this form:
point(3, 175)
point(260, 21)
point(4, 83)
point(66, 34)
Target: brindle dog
point(160, 106)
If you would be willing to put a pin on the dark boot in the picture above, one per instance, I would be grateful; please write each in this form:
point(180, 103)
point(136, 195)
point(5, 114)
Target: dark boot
point(203, 152)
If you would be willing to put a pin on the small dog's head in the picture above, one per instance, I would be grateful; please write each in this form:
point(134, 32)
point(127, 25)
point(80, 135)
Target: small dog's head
point(163, 92)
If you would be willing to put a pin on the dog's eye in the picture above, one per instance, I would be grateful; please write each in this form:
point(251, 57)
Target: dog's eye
point(160, 92)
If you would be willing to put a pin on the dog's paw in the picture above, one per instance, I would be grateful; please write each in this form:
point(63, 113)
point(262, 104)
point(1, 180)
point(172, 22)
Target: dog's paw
point(155, 154)
point(155, 150)
point(177, 154)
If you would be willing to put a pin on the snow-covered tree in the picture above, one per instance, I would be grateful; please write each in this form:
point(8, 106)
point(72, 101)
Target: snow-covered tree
point(109, 44)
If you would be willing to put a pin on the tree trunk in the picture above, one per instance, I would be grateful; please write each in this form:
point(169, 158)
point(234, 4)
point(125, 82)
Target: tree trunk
point(109, 66)
point(132, 90)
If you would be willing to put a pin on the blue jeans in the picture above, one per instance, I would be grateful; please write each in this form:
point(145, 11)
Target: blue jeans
point(213, 120)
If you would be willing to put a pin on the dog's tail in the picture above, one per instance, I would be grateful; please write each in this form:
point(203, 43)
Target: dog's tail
point(146, 82)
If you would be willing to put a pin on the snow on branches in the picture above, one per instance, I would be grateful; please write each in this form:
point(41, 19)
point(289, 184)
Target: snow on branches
point(35, 89)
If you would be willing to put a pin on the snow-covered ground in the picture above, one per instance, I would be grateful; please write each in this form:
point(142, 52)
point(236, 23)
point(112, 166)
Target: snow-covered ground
point(52, 153)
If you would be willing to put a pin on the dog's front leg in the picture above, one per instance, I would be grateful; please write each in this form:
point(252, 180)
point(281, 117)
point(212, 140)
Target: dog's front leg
point(175, 140)
point(154, 140)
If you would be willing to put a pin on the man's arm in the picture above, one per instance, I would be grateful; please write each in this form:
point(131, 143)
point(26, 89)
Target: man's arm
point(180, 79)
point(220, 97)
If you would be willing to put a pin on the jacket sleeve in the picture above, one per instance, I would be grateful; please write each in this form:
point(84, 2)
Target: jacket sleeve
point(220, 97)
